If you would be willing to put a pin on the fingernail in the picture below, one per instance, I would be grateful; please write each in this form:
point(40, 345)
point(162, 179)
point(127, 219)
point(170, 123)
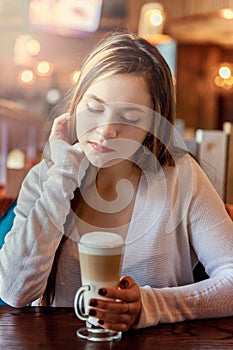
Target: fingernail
point(124, 284)
point(101, 322)
point(92, 312)
point(93, 303)
point(102, 291)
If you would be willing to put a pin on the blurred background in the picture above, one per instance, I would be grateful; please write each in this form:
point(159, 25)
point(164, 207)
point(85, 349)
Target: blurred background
point(43, 44)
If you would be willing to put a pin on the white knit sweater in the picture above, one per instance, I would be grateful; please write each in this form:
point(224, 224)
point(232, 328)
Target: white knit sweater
point(175, 223)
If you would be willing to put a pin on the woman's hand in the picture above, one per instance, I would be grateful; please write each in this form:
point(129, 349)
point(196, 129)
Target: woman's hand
point(64, 150)
point(61, 128)
point(123, 308)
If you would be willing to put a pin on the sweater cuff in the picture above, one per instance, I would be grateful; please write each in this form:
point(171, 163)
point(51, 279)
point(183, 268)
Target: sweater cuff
point(70, 159)
point(149, 315)
point(62, 153)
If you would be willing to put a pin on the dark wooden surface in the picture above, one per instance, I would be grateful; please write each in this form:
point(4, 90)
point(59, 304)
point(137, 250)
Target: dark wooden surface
point(55, 328)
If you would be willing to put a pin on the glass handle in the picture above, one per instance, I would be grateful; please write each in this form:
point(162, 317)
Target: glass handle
point(79, 303)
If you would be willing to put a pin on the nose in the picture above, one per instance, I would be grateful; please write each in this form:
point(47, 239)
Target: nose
point(107, 129)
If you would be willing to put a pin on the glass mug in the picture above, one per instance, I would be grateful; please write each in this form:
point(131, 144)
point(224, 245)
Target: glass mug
point(101, 255)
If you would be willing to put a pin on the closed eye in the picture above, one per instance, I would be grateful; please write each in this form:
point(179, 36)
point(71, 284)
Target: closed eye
point(130, 121)
point(95, 107)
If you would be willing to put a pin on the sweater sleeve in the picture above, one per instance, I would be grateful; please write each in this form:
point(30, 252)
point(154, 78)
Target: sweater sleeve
point(42, 207)
point(211, 236)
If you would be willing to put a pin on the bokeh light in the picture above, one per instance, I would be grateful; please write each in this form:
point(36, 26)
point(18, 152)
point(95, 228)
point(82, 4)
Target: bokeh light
point(26, 77)
point(32, 47)
point(74, 77)
point(44, 68)
point(224, 76)
point(154, 17)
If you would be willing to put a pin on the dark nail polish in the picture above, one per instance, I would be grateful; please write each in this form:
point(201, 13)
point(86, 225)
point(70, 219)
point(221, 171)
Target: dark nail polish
point(93, 303)
point(102, 291)
point(101, 322)
point(124, 284)
point(92, 312)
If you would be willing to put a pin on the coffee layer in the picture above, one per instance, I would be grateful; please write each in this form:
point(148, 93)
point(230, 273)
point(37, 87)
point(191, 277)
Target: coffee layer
point(100, 268)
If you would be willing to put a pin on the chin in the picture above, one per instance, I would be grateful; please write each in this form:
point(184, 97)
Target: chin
point(102, 162)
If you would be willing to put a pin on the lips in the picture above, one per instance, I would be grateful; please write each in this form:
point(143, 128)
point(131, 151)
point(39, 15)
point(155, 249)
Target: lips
point(100, 148)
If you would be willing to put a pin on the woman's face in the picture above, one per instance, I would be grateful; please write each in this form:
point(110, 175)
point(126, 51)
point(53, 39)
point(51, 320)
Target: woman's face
point(113, 119)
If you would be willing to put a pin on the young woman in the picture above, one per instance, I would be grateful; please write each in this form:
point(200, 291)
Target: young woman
point(114, 164)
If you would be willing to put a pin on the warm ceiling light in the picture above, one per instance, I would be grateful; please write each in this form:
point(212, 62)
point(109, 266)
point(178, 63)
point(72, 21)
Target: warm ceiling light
point(224, 72)
point(32, 47)
point(227, 13)
point(151, 19)
point(224, 76)
point(44, 68)
point(219, 81)
point(229, 81)
point(74, 77)
point(154, 17)
point(26, 77)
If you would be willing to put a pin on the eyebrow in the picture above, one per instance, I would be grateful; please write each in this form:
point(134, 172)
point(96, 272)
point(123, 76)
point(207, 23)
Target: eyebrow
point(94, 97)
point(127, 108)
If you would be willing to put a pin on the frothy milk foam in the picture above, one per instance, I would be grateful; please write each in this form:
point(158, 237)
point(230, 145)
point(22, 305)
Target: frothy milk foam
point(100, 259)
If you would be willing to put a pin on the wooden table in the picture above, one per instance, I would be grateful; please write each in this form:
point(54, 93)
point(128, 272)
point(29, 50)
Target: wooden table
point(55, 328)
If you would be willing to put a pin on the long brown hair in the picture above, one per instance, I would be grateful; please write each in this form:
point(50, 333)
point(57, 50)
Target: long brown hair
point(120, 53)
point(123, 52)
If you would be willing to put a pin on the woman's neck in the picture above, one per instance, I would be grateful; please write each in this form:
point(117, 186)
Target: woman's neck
point(108, 178)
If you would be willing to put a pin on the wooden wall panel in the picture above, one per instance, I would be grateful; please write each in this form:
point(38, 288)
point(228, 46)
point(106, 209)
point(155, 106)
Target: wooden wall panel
point(196, 95)
point(182, 8)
